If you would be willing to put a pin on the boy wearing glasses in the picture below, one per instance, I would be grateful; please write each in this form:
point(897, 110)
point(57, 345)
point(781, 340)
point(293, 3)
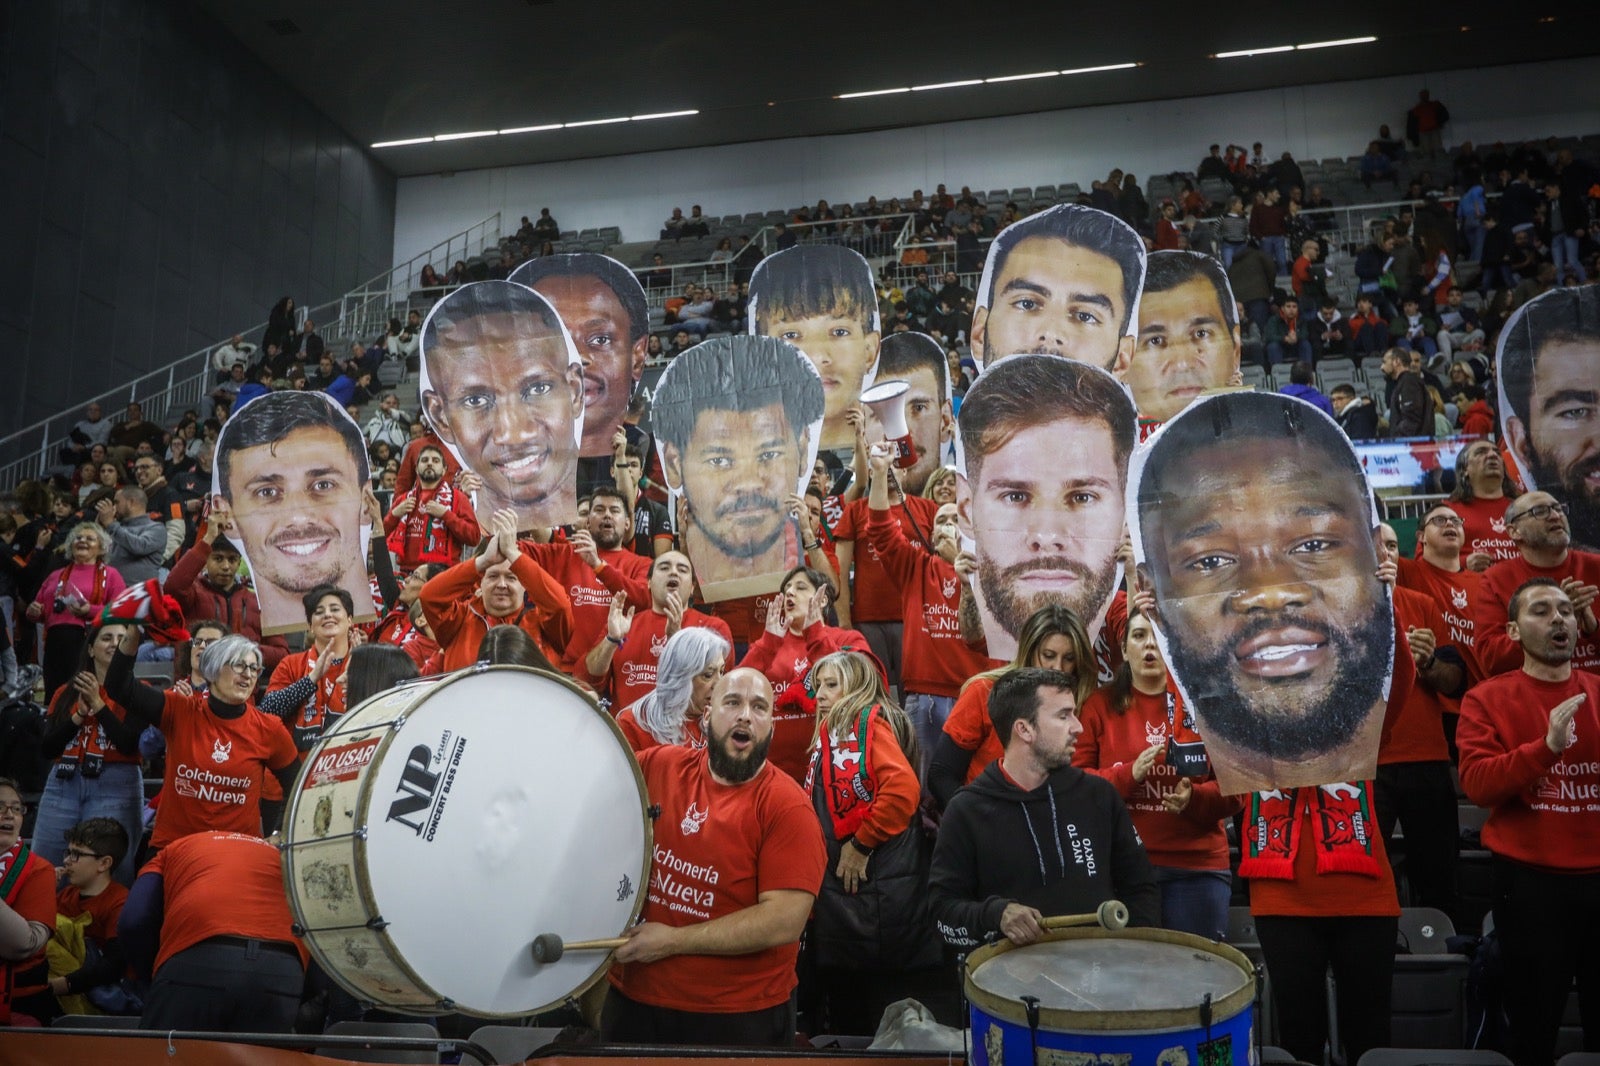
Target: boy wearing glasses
point(1539, 526)
point(94, 848)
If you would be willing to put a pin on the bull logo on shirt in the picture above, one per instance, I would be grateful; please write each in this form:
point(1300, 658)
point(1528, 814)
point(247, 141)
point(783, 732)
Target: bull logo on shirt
point(1155, 733)
point(693, 819)
point(1497, 524)
point(656, 645)
point(221, 752)
point(949, 587)
point(1458, 599)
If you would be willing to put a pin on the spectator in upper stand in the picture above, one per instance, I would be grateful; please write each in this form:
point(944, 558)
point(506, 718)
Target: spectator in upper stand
point(783, 237)
point(659, 276)
point(1301, 387)
point(1286, 175)
point(1132, 207)
point(695, 225)
point(89, 431)
point(745, 258)
point(350, 392)
point(1269, 224)
point(547, 228)
point(1413, 330)
point(125, 437)
point(672, 228)
point(969, 248)
point(1356, 415)
point(952, 291)
point(1285, 334)
point(1213, 165)
point(1410, 406)
point(227, 390)
point(1233, 230)
point(1308, 279)
point(260, 384)
point(920, 299)
point(1566, 215)
point(1168, 236)
point(945, 324)
point(400, 342)
point(1329, 333)
point(1369, 333)
point(1471, 210)
point(1252, 278)
point(695, 316)
point(280, 325)
point(433, 522)
point(237, 350)
point(524, 232)
point(324, 374)
point(309, 342)
point(1459, 326)
point(206, 584)
point(681, 342)
point(389, 424)
point(1425, 123)
point(723, 253)
point(1436, 256)
point(986, 224)
point(1519, 201)
point(1376, 166)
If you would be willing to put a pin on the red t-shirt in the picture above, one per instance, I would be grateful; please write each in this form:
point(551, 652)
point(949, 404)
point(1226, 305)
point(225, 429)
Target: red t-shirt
point(788, 660)
point(717, 848)
point(104, 909)
point(1456, 594)
point(1312, 895)
point(1497, 652)
point(1416, 733)
point(641, 739)
point(874, 596)
point(746, 616)
point(1542, 806)
point(220, 884)
point(1485, 528)
point(34, 899)
point(1192, 839)
point(934, 658)
point(632, 674)
point(971, 728)
point(590, 596)
point(215, 767)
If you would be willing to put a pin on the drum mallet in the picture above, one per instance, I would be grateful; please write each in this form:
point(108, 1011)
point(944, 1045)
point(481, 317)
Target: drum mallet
point(548, 947)
point(1112, 914)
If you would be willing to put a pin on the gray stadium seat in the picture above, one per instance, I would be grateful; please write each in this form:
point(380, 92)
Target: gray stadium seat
point(512, 1043)
point(1390, 1056)
point(413, 1030)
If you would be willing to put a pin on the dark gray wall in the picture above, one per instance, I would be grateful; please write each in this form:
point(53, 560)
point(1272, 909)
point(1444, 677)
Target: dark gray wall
point(160, 188)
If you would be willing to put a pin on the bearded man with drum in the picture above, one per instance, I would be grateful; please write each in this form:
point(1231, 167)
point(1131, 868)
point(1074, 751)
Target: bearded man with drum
point(738, 862)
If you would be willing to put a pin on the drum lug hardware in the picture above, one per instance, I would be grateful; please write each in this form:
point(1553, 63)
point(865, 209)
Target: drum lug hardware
point(360, 832)
point(1205, 1014)
point(448, 1006)
point(654, 811)
point(297, 929)
point(376, 923)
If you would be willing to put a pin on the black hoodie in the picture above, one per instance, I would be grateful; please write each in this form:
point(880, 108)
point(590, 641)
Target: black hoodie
point(1064, 848)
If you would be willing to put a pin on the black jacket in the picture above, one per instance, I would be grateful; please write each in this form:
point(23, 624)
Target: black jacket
point(1064, 848)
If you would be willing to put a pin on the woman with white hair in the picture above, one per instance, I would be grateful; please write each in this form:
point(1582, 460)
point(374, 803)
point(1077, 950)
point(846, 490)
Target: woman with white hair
point(70, 599)
point(690, 666)
point(219, 747)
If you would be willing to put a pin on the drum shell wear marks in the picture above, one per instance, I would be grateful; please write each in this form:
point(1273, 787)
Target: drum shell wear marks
point(433, 836)
point(1132, 998)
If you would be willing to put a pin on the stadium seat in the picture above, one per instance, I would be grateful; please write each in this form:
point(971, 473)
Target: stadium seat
point(1391, 1056)
point(95, 1021)
point(512, 1043)
point(413, 1030)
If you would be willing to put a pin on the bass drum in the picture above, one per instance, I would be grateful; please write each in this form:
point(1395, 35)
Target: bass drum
point(445, 824)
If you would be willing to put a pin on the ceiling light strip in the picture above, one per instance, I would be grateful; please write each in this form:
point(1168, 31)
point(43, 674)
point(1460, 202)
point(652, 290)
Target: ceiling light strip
point(663, 114)
point(400, 143)
point(1263, 51)
point(946, 85)
point(465, 136)
point(472, 134)
point(986, 81)
point(1023, 77)
point(1334, 44)
point(1097, 70)
point(873, 92)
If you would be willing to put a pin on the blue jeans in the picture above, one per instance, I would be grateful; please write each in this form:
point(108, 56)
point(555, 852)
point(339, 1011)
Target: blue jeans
point(927, 714)
point(1425, 345)
point(1195, 901)
point(1475, 233)
point(1564, 252)
point(1301, 351)
point(1229, 250)
point(151, 652)
point(1278, 248)
point(117, 793)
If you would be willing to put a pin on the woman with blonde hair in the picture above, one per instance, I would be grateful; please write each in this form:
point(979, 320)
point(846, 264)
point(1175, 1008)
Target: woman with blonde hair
point(871, 924)
point(941, 485)
point(1052, 638)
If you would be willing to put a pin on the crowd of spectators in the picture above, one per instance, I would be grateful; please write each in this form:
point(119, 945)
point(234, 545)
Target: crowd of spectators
point(841, 644)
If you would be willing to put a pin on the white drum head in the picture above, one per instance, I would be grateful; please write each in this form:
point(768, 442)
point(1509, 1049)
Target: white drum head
point(506, 806)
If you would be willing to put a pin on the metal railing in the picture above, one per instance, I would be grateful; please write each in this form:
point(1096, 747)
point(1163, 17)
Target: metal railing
point(187, 382)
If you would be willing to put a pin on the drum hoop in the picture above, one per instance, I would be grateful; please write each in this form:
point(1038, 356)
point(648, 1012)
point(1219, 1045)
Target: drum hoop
point(364, 884)
point(1062, 1020)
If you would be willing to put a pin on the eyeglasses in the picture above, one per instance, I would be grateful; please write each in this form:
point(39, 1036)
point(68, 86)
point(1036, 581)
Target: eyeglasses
point(246, 669)
point(1538, 511)
point(12, 808)
point(201, 642)
point(73, 855)
point(1445, 521)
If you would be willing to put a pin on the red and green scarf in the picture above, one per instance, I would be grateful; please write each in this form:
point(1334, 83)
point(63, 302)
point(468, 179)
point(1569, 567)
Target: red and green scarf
point(1341, 818)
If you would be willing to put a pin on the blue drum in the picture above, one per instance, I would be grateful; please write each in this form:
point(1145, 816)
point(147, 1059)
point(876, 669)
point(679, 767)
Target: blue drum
point(1094, 997)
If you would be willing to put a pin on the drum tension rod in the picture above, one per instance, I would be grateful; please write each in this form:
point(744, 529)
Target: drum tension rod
point(359, 833)
point(375, 923)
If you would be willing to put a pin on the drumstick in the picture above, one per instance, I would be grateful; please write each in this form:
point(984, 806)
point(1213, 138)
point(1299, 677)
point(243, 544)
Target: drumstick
point(549, 947)
point(1112, 914)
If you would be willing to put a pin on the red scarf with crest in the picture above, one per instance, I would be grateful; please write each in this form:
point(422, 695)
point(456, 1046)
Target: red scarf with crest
point(1341, 818)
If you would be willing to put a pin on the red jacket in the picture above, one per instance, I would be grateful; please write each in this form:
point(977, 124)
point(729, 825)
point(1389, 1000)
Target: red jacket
point(934, 658)
point(1497, 652)
point(408, 462)
point(1477, 419)
point(419, 537)
point(457, 617)
point(238, 607)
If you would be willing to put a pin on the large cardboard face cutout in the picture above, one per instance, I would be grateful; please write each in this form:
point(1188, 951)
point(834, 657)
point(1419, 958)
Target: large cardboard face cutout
point(1039, 494)
point(1063, 282)
point(1548, 367)
point(1188, 338)
point(737, 420)
point(1255, 526)
point(919, 361)
point(292, 473)
point(503, 387)
point(602, 306)
point(820, 298)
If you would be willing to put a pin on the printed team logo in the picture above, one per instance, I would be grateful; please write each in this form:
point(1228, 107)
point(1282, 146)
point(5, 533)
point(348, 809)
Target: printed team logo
point(1155, 733)
point(221, 752)
point(656, 645)
point(693, 819)
point(949, 587)
point(1458, 599)
point(1497, 524)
